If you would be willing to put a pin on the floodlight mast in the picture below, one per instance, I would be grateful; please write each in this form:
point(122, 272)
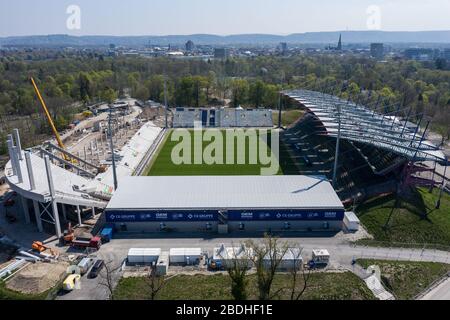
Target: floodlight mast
point(336, 158)
point(112, 148)
point(279, 110)
point(165, 103)
point(280, 102)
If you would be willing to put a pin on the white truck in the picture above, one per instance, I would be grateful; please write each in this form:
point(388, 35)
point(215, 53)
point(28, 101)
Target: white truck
point(320, 258)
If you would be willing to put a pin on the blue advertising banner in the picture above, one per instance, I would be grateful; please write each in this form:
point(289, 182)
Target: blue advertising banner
point(147, 216)
point(274, 215)
point(233, 215)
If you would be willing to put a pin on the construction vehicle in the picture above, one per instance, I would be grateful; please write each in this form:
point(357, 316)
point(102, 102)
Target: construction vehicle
point(79, 242)
point(71, 282)
point(84, 243)
point(215, 265)
point(41, 248)
point(320, 259)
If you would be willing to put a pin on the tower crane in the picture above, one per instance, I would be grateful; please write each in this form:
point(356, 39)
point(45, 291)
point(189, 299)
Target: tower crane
point(49, 118)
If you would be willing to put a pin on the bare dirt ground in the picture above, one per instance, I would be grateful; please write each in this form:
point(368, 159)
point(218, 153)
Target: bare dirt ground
point(37, 278)
point(4, 188)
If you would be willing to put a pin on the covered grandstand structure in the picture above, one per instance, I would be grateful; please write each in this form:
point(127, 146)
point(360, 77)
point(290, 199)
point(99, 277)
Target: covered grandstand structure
point(360, 124)
point(222, 117)
point(55, 188)
point(390, 148)
point(225, 203)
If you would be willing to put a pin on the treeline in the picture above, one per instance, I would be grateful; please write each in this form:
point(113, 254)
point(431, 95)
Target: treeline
point(247, 82)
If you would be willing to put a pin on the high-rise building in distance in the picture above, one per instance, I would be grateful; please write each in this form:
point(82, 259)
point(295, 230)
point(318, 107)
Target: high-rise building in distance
point(377, 50)
point(190, 46)
point(220, 53)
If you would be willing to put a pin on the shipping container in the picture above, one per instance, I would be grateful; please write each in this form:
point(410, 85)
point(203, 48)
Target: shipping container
point(185, 256)
point(351, 222)
point(138, 256)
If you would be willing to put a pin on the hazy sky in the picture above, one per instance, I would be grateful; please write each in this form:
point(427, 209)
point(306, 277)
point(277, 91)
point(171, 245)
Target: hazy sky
point(163, 17)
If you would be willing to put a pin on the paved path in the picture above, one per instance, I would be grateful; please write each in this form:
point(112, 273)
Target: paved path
point(341, 252)
point(441, 292)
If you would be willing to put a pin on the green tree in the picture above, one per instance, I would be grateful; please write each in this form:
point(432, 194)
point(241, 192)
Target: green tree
point(239, 89)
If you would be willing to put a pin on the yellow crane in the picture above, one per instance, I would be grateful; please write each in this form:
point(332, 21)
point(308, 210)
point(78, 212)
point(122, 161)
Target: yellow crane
point(49, 118)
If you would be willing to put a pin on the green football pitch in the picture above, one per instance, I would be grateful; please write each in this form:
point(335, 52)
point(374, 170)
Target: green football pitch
point(163, 165)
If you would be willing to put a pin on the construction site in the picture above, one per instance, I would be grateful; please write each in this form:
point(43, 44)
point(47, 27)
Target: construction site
point(72, 196)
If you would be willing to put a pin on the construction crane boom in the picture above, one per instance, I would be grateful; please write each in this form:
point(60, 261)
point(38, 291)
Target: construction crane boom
point(49, 118)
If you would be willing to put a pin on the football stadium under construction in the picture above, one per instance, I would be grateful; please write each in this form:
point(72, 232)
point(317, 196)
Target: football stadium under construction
point(345, 152)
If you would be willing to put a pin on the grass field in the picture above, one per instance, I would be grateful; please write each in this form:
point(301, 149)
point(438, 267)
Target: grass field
point(163, 165)
point(323, 286)
point(287, 117)
point(411, 221)
point(407, 279)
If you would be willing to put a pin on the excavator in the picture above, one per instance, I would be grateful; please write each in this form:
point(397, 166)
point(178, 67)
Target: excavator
point(40, 247)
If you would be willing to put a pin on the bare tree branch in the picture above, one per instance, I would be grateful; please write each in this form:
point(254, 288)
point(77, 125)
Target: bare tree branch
point(107, 277)
point(267, 259)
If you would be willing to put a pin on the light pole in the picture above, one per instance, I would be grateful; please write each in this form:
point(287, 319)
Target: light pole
point(280, 113)
point(165, 102)
point(279, 110)
point(112, 148)
point(336, 157)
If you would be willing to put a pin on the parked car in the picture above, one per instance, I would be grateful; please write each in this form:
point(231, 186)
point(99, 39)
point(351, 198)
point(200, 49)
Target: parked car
point(98, 266)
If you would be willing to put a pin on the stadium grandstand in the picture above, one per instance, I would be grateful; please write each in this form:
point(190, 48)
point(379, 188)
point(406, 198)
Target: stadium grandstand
point(222, 118)
point(51, 181)
point(375, 151)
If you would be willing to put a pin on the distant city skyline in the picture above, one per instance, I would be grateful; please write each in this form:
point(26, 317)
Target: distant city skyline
point(184, 17)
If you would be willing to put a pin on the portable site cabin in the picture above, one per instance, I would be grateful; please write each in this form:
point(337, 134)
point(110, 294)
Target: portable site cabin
point(291, 260)
point(185, 256)
point(226, 256)
point(143, 256)
point(351, 222)
point(321, 256)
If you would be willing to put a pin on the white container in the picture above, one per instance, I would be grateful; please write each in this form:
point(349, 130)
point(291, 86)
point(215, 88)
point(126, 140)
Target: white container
point(192, 255)
point(143, 256)
point(351, 222)
point(176, 256)
point(188, 256)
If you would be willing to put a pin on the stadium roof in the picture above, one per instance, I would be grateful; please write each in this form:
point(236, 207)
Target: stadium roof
point(225, 192)
point(360, 124)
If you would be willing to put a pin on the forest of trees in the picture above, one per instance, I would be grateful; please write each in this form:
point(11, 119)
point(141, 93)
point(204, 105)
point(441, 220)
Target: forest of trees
point(68, 82)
